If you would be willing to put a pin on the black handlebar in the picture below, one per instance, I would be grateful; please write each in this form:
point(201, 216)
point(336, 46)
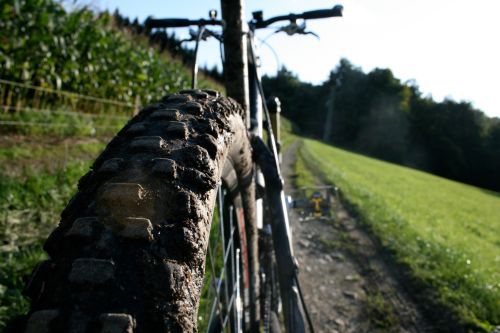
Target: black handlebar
point(314, 14)
point(176, 23)
point(324, 13)
point(257, 23)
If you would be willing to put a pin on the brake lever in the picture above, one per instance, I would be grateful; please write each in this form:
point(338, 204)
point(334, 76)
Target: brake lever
point(290, 29)
point(294, 28)
point(310, 33)
point(204, 36)
point(209, 33)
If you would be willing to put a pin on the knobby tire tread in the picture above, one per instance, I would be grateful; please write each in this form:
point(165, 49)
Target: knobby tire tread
point(129, 252)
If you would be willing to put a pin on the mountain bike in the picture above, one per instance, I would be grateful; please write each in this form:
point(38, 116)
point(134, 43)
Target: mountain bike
point(181, 224)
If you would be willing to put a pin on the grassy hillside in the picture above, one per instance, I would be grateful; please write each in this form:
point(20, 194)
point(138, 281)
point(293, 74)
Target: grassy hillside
point(446, 233)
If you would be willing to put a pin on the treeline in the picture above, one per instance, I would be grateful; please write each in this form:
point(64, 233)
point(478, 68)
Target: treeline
point(376, 114)
point(103, 55)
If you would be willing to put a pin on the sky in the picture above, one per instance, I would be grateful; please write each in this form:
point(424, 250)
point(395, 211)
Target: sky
point(450, 48)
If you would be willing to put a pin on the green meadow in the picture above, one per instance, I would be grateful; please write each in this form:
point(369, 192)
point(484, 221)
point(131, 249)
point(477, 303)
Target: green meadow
point(447, 234)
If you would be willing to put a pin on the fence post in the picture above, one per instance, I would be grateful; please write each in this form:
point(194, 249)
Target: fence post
point(8, 101)
point(137, 105)
point(36, 100)
point(3, 89)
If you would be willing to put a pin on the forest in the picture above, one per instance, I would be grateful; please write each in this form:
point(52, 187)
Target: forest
point(378, 115)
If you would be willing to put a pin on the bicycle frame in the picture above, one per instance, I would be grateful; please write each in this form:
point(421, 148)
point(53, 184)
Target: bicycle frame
point(243, 83)
point(240, 50)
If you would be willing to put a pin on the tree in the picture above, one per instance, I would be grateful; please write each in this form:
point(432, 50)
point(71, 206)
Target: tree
point(300, 101)
point(376, 114)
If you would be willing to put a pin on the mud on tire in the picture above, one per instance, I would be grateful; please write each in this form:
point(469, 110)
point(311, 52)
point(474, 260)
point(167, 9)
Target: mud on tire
point(129, 252)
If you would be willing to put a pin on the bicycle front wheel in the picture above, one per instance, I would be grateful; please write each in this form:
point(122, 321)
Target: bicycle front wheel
point(129, 253)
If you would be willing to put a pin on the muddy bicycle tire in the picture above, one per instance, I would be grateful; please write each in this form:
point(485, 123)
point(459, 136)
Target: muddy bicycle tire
point(129, 252)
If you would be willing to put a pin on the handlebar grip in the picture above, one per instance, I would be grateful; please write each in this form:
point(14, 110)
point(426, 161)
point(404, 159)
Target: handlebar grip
point(323, 13)
point(313, 14)
point(178, 23)
point(167, 23)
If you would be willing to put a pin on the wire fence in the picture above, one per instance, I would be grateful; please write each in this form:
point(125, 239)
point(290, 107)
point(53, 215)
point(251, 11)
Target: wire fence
point(25, 106)
point(58, 112)
point(72, 96)
point(36, 123)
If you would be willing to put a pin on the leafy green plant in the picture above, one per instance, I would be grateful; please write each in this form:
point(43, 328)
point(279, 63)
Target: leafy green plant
point(81, 52)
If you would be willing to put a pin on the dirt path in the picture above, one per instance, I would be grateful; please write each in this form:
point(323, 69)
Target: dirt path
point(347, 285)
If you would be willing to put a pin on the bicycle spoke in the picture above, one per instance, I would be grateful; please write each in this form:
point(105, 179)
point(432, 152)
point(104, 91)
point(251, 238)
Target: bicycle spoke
point(230, 304)
point(212, 267)
point(222, 286)
point(234, 275)
point(224, 248)
point(238, 307)
point(222, 277)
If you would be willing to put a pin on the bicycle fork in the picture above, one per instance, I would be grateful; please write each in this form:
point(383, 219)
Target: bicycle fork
point(292, 300)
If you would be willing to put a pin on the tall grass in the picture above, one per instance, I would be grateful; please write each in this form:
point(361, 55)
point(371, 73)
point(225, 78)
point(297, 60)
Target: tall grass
point(35, 184)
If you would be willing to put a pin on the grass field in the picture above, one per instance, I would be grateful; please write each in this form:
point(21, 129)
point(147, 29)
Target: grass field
point(446, 233)
point(37, 178)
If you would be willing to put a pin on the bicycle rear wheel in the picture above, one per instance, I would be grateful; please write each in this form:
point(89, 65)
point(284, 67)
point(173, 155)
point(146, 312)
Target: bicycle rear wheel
point(129, 252)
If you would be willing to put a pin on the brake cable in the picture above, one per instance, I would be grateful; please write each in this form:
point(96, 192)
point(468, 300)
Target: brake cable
point(269, 129)
point(276, 57)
